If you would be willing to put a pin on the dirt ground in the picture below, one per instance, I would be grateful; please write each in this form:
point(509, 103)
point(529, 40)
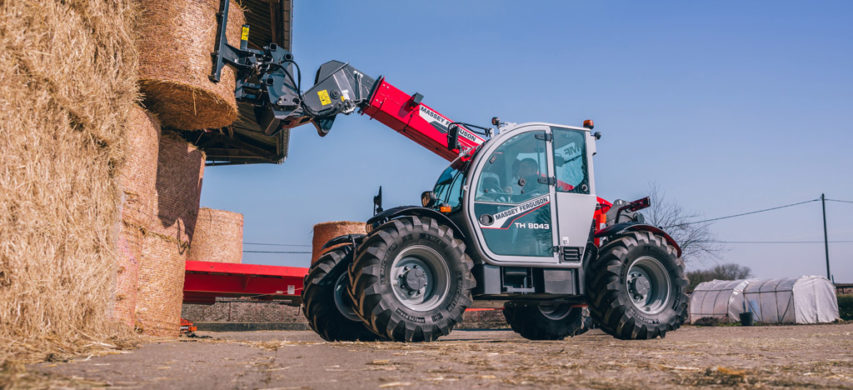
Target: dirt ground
point(818, 356)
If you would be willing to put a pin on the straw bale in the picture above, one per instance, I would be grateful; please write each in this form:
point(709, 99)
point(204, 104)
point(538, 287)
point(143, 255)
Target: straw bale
point(175, 39)
point(160, 286)
point(166, 237)
point(180, 170)
point(137, 180)
point(68, 74)
point(138, 177)
point(323, 232)
point(218, 237)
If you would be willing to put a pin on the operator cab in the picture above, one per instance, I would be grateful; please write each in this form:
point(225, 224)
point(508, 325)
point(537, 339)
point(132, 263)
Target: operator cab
point(514, 189)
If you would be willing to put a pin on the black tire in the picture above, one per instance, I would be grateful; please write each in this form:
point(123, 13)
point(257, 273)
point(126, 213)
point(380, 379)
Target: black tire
point(545, 322)
point(329, 315)
point(383, 304)
point(625, 307)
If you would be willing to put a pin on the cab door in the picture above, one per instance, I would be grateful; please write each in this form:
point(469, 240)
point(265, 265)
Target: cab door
point(511, 196)
point(575, 199)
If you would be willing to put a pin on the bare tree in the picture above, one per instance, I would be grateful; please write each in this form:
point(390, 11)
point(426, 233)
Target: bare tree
point(719, 272)
point(695, 239)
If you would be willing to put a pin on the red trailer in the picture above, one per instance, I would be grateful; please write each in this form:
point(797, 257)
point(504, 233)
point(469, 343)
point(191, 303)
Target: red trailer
point(205, 280)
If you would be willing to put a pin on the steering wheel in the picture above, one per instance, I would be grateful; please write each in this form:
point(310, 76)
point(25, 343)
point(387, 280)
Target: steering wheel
point(496, 193)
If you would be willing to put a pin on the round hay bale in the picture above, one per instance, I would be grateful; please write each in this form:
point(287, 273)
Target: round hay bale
point(180, 170)
point(175, 39)
point(137, 180)
point(138, 177)
point(167, 234)
point(218, 237)
point(323, 232)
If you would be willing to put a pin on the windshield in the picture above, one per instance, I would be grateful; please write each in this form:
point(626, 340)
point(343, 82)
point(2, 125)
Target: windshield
point(448, 188)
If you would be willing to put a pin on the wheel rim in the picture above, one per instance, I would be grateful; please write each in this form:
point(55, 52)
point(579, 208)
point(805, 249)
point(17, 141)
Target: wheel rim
point(554, 311)
point(341, 301)
point(420, 278)
point(648, 285)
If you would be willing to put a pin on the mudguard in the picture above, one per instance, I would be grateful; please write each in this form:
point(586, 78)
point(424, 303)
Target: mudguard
point(400, 211)
point(635, 226)
point(355, 239)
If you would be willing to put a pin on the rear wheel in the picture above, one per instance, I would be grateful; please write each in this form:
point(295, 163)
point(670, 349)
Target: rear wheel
point(546, 321)
point(411, 280)
point(637, 287)
point(326, 304)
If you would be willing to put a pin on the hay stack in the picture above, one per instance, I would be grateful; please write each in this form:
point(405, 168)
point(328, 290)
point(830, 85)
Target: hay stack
point(218, 237)
point(180, 168)
point(137, 180)
point(323, 232)
point(68, 72)
point(175, 39)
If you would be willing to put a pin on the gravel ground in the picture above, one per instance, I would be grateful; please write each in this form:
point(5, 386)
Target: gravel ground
point(819, 356)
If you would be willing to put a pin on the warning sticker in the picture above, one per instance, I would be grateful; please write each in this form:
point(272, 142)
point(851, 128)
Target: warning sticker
point(244, 36)
point(324, 97)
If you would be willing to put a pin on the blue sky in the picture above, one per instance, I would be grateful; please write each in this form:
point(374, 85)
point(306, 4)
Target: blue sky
point(725, 106)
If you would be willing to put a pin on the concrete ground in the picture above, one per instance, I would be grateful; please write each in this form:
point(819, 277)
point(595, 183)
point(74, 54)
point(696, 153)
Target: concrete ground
point(819, 356)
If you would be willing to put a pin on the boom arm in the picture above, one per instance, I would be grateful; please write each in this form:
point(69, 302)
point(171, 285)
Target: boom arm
point(389, 105)
point(265, 79)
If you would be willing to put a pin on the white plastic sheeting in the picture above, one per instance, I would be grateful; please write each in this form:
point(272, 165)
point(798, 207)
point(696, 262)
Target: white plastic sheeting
point(803, 300)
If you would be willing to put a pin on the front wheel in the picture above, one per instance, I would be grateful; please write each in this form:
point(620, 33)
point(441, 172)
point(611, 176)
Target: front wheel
point(546, 321)
point(637, 287)
point(326, 304)
point(411, 280)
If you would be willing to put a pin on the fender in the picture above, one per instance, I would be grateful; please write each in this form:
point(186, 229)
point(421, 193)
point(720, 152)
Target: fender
point(620, 228)
point(354, 239)
point(401, 211)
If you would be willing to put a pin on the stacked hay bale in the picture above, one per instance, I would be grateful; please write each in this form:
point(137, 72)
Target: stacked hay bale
point(323, 232)
point(138, 184)
point(218, 237)
point(166, 238)
point(68, 72)
point(175, 38)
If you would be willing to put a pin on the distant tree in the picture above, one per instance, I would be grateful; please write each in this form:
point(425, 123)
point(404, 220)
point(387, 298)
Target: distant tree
point(695, 239)
point(719, 272)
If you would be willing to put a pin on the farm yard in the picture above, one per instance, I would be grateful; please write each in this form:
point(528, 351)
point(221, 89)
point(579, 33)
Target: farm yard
point(814, 356)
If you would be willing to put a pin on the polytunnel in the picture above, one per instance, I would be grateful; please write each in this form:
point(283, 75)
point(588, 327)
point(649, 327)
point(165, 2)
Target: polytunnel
point(801, 300)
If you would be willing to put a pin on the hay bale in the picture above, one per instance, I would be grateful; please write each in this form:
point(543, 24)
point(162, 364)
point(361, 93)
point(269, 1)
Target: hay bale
point(323, 232)
point(137, 181)
point(68, 74)
point(165, 242)
point(180, 170)
point(218, 237)
point(175, 39)
point(160, 286)
point(138, 177)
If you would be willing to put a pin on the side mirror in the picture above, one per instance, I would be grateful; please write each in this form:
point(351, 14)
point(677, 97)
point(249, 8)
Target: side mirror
point(377, 202)
point(428, 199)
point(453, 138)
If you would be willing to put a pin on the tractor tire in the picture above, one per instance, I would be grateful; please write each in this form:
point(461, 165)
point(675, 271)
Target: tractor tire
point(326, 304)
point(411, 280)
point(637, 287)
point(545, 322)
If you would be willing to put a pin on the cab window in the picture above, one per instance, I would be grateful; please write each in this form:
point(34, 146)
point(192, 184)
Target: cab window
point(570, 163)
point(512, 172)
point(448, 189)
